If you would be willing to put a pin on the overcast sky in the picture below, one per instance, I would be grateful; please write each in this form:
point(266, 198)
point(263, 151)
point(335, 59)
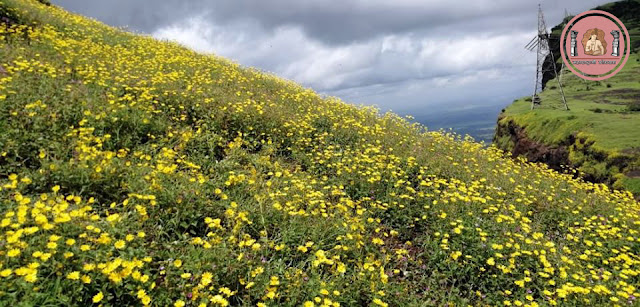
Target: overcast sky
point(411, 56)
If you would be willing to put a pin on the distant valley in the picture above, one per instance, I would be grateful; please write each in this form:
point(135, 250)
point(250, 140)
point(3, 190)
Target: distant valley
point(477, 121)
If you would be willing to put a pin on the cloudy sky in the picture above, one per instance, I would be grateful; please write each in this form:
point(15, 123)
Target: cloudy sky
point(411, 56)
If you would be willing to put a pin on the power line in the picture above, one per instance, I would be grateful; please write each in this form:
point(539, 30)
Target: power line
point(541, 44)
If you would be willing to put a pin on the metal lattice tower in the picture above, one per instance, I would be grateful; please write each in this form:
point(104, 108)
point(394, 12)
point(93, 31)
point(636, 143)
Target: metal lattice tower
point(540, 43)
point(562, 68)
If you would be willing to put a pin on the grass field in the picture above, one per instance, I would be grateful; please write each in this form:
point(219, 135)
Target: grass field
point(599, 108)
point(138, 172)
point(605, 115)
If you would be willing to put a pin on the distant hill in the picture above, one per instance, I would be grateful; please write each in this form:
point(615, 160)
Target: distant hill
point(137, 172)
point(599, 136)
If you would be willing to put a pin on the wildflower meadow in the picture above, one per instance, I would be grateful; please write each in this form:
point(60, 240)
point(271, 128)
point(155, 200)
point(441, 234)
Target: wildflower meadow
point(138, 172)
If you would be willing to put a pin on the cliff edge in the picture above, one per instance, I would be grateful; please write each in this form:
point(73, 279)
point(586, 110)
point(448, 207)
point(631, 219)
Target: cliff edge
point(598, 138)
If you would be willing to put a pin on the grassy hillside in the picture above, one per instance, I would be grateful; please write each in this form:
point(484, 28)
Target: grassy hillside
point(600, 131)
point(137, 172)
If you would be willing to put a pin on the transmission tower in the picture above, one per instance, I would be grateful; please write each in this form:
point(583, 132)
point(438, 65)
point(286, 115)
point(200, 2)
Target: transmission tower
point(566, 19)
point(541, 44)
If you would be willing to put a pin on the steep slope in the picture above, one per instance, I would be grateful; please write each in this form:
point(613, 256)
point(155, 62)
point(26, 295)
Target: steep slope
point(137, 172)
point(598, 136)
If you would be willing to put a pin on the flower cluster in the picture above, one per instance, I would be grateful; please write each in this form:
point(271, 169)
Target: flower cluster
point(137, 172)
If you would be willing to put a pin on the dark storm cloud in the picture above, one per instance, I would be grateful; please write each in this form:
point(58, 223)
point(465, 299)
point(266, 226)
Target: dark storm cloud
point(397, 54)
point(332, 22)
point(139, 15)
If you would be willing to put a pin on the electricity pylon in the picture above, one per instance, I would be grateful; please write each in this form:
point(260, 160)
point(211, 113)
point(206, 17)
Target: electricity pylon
point(541, 44)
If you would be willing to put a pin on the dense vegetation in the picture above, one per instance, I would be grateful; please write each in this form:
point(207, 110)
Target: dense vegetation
point(137, 172)
point(599, 131)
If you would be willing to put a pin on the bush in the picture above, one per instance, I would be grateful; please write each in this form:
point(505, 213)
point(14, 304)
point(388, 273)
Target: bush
point(634, 106)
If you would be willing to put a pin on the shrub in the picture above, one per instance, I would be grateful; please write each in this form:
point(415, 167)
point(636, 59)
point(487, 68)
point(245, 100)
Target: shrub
point(634, 106)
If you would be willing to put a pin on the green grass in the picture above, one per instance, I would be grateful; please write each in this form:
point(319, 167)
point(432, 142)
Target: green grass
point(612, 130)
point(603, 114)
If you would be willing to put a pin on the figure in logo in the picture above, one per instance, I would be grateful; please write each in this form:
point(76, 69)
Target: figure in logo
point(616, 42)
point(594, 43)
point(574, 43)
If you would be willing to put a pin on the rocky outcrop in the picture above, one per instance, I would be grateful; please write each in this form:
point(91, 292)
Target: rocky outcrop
point(576, 152)
point(512, 138)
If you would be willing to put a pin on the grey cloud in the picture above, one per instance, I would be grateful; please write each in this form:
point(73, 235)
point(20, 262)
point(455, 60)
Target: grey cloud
point(389, 59)
point(137, 15)
point(332, 22)
point(401, 54)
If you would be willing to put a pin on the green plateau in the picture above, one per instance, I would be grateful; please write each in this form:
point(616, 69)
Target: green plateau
point(600, 134)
